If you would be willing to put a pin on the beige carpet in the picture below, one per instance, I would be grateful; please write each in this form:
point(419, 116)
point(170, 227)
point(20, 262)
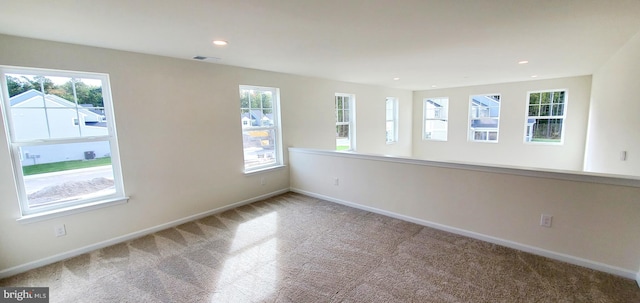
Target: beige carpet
point(293, 248)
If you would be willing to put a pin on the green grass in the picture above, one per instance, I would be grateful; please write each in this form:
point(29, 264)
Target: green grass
point(342, 147)
point(61, 166)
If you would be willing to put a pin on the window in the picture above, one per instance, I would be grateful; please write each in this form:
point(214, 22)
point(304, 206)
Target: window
point(545, 117)
point(260, 118)
point(345, 121)
point(392, 120)
point(436, 118)
point(484, 118)
point(60, 165)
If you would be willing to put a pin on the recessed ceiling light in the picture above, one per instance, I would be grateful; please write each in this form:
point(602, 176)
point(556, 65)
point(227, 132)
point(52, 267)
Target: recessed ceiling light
point(220, 42)
point(434, 86)
point(396, 78)
point(534, 76)
point(523, 62)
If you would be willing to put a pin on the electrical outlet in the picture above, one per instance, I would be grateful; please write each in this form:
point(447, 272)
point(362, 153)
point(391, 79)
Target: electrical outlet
point(60, 230)
point(336, 181)
point(545, 220)
point(263, 181)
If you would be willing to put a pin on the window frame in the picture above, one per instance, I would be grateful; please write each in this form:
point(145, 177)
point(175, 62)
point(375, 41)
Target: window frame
point(393, 120)
point(276, 128)
point(425, 119)
point(471, 131)
point(38, 213)
point(352, 119)
point(563, 117)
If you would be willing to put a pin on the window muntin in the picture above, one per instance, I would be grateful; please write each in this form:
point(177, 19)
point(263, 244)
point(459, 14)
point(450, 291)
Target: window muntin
point(436, 119)
point(62, 138)
point(391, 120)
point(484, 118)
point(260, 119)
point(345, 118)
point(546, 111)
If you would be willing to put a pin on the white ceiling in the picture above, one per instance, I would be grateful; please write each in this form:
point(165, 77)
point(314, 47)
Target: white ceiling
point(445, 43)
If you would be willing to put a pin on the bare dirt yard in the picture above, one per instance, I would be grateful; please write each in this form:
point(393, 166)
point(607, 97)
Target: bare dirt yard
point(69, 190)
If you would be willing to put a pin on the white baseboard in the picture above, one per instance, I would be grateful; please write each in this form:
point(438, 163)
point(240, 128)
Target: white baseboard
point(515, 245)
point(76, 252)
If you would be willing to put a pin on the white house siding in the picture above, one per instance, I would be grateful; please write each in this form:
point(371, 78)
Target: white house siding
point(30, 118)
point(63, 152)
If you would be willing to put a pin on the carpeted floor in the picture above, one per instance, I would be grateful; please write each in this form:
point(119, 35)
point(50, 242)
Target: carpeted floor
point(293, 248)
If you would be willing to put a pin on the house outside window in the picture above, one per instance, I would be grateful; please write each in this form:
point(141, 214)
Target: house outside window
point(58, 165)
point(260, 118)
point(391, 120)
point(484, 118)
point(436, 119)
point(345, 122)
point(546, 111)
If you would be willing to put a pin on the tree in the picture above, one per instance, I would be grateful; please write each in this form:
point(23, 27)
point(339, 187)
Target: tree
point(18, 86)
point(86, 94)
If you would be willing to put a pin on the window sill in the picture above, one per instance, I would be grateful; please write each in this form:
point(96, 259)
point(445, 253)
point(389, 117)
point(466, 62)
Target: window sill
point(543, 143)
point(71, 210)
point(265, 169)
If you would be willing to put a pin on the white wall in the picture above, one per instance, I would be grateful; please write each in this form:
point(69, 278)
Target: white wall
point(511, 149)
point(594, 224)
point(180, 140)
point(615, 114)
point(309, 115)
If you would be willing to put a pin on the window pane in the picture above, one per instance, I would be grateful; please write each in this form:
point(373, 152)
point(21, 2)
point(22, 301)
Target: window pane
point(342, 137)
point(21, 83)
point(89, 93)
point(60, 91)
point(546, 98)
point(31, 123)
point(390, 131)
point(558, 109)
point(494, 111)
point(560, 97)
point(259, 126)
point(435, 124)
point(55, 114)
point(545, 110)
point(57, 173)
point(41, 107)
point(65, 122)
point(480, 136)
point(547, 130)
point(534, 98)
point(244, 99)
point(430, 113)
point(391, 119)
point(346, 114)
point(552, 104)
point(259, 147)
